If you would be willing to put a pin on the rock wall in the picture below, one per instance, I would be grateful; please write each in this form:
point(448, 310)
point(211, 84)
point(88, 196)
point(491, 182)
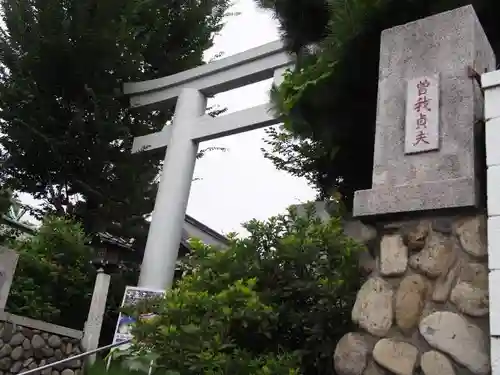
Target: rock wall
point(424, 306)
point(26, 344)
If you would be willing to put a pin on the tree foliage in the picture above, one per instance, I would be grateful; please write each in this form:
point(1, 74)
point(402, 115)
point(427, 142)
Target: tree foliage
point(100, 367)
point(281, 296)
point(54, 278)
point(301, 24)
point(329, 101)
point(66, 129)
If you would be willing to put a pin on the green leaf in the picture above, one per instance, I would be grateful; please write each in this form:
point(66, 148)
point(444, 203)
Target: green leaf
point(190, 328)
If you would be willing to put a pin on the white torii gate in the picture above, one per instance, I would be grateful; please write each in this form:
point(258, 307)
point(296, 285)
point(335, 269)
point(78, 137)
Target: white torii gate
point(191, 126)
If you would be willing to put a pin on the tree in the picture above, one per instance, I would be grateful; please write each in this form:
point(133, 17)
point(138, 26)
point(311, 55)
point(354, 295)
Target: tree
point(66, 129)
point(283, 294)
point(329, 102)
point(301, 24)
point(54, 278)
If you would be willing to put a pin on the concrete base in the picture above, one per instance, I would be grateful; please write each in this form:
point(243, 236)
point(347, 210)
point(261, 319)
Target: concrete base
point(460, 192)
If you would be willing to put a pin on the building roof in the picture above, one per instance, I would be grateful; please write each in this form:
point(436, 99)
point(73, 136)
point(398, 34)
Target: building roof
point(205, 229)
point(192, 229)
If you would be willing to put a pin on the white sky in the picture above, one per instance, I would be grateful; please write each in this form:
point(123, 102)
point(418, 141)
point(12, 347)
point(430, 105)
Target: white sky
point(240, 184)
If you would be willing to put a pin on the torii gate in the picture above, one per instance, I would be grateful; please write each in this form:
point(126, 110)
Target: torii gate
point(191, 126)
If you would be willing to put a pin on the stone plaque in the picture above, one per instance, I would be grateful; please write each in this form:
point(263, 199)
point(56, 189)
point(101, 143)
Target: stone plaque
point(422, 115)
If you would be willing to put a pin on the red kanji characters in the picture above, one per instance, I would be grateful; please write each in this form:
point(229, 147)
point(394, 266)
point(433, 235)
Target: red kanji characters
point(422, 103)
point(421, 107)
point(422, 121)
point(422, 87)
point(421, 137)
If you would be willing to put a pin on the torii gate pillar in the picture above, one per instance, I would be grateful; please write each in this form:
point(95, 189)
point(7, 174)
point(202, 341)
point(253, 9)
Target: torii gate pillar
point(191, 126)
point(164, 237)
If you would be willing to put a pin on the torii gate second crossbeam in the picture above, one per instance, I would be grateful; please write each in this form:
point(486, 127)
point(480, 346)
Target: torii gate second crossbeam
point(190, 126)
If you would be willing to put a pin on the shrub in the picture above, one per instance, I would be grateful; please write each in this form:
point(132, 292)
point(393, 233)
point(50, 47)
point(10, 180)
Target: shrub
point(54, 278)
point(275, 302)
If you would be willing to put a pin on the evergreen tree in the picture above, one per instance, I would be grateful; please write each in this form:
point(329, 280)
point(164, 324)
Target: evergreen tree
point(66, 128)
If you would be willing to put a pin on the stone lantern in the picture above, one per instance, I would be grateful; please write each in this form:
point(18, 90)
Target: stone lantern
point(106, 258)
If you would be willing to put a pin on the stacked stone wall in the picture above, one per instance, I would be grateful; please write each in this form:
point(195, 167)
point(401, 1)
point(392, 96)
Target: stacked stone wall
point(424, 306)
point(26, 344)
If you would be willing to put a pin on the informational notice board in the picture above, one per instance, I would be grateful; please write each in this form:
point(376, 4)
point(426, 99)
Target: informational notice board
point(132, 296)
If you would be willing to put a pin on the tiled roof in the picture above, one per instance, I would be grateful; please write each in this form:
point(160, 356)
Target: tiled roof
point(128, 244)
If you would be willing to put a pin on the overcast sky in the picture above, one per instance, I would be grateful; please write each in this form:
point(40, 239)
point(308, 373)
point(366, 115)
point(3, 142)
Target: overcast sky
point(240, 184)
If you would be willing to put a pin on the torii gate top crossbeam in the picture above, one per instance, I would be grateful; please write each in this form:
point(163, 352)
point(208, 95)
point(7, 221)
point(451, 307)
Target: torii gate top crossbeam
point(232, 72)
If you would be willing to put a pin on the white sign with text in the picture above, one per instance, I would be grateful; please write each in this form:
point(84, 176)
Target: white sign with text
point(132, 295)
point(422, 115)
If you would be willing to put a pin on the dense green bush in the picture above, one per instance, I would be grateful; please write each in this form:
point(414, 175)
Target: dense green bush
point(54, 278)
point(275, 302)
point(101, 367)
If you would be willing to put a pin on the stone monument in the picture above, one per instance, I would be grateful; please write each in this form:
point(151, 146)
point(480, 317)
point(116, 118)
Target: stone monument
point(424, 307)
point(425, 156)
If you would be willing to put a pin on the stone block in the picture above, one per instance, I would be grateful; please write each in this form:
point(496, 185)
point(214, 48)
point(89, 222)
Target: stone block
point(454, 193)
point(393, 255)
point(445, 44)
point(465, 342)
point(494, 281)
point(494, 243)
point(495, 355)
point(491, 83)
point(470, 295)
point(492, 141)
point(351, 354)
point(471, 232)
point(489, 80)
point(410, 301)
point(435, 363)
point(373, 310)
point(444, 283)
point(396, 356)
point(493, 198)
point(436, 258)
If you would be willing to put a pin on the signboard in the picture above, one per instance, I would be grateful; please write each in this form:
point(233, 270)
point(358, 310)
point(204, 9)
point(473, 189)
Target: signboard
point(123, 331)
point(422, 115)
